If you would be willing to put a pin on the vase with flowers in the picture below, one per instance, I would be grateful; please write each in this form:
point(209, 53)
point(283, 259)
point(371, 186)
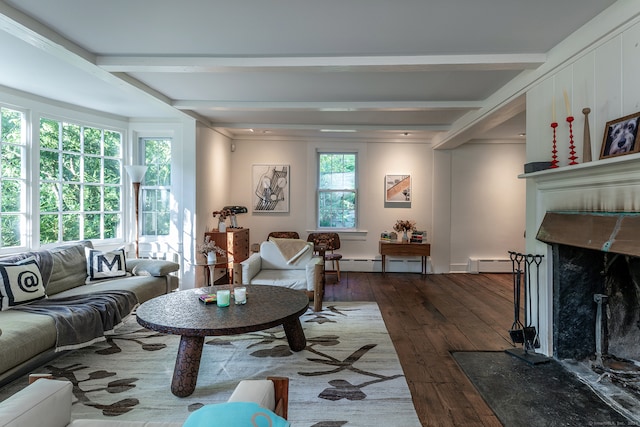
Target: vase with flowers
point(403, 226)
point(209, 249)
point(222, 215)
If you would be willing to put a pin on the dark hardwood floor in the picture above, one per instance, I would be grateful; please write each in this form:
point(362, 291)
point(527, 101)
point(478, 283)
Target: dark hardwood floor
point(428, 317)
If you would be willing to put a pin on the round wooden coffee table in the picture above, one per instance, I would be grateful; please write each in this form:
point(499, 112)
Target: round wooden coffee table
point(182, 313)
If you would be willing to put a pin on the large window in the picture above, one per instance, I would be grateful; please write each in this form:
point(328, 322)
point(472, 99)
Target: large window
point(80, 182)
point(156, 188)
point(12, 183)
point(337, 190)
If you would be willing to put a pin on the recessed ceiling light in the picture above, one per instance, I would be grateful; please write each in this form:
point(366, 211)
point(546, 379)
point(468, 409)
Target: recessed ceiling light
point(522, 134)
point(338, 130)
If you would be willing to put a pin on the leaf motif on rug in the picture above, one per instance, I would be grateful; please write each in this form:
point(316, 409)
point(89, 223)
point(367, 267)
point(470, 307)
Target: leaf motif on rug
point(348, 374)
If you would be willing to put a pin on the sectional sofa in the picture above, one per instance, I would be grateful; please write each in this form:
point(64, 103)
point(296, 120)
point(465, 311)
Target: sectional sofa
point(73, 278)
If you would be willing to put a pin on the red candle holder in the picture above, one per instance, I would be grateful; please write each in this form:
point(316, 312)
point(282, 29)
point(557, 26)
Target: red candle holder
point(554, 152)
point(572, 147)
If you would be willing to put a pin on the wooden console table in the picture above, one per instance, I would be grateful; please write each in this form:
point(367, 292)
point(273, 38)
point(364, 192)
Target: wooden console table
point(405, 249)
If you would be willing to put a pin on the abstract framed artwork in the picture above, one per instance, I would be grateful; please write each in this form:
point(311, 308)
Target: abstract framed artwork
point(397, 189)
point(620, 137)
point(270, 188)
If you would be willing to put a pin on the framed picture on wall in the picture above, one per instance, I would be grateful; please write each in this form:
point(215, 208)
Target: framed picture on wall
point(270, 188)
point(397, 188)
point(620, 137)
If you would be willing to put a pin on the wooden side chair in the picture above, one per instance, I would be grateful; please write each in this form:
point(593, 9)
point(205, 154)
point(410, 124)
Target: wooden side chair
point(284, 235)
point(327, 243)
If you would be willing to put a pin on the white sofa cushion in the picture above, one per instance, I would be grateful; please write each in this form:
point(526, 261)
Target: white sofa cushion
point(43, 400)
point(294, 279)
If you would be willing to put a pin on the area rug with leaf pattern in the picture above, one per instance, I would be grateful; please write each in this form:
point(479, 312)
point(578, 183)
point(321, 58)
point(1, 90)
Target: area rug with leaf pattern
point(348, 374)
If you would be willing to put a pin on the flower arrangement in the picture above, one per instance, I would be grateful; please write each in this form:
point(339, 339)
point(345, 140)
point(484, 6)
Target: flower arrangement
point(222, 214)
point(404, 225)
point(210, 246)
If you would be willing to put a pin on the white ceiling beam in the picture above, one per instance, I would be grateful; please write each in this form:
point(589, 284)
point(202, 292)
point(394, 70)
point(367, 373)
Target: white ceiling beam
point(311, 126)
point(197, 64)
point(216, 105)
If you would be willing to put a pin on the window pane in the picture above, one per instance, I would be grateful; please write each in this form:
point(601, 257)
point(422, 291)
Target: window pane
point(11, 161)
point(92, 226)
point(49, 165)
point(111, 226)
point(11, 194)
point(337, 209)
point(337, 190)
point(10, 230)
point(79, 181)
point(92, 139)
point(111, 171)
point(70, 227)
point(11, 125)
point(71, 167)
point(49, 134)
point(70, 137)
point(112, 143)
point(49, 229)
point(13, 185)
point(92, 169)
point(92, 198)
point(111, 199)
point(48, 197)
point(156, 197)
point(71, 198)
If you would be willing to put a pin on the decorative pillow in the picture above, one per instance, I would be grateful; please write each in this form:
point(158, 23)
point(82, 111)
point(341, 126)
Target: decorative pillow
point(20, 283)
point(103, 265)
point(237, 414)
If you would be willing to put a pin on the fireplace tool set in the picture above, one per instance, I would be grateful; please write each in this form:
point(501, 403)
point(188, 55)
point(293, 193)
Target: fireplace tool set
point(524, 266)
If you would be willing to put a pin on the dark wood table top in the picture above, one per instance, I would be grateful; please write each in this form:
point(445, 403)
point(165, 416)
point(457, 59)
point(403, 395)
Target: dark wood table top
point(182, 313)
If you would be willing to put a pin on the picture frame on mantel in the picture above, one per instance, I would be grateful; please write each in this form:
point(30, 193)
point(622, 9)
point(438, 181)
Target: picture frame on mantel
point(620, 137)
point(270, 188)
point(397, 190)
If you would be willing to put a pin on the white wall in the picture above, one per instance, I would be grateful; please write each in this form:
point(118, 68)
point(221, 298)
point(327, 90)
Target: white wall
point(482, 179)
point(488, 203)
point(211, 191)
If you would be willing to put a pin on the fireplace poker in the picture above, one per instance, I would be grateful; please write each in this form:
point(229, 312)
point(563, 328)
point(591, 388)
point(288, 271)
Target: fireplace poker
point(517, 329)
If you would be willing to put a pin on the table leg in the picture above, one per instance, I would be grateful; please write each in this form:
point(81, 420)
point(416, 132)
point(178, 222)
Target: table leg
point(424, 265)
point(295, 334)
point(383, 262)
point(185, 373)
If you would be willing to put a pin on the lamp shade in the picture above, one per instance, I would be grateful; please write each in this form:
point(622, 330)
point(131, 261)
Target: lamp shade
point(136, 172)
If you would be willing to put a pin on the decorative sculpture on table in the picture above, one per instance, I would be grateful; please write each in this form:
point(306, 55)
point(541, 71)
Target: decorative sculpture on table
point(570, 118)
point(586, 144)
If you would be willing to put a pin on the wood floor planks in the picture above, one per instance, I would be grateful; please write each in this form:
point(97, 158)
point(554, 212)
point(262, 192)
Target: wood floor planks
point(428, 317)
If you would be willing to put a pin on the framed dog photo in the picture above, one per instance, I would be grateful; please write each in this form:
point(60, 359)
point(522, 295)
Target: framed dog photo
point(620, 137)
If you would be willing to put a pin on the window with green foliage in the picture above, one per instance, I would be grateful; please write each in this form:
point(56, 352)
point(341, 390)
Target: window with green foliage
point(156, 187)
point(337, 190)
point(80, 182)
point(13, 183)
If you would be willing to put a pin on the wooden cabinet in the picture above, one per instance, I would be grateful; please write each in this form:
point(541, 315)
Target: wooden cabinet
point(235, 241)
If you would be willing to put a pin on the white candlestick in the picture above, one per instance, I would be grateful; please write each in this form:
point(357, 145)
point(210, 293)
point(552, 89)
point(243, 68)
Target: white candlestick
point(566, 103)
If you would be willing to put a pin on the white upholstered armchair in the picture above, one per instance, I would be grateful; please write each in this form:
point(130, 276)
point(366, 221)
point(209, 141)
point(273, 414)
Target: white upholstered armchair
point(285, 262)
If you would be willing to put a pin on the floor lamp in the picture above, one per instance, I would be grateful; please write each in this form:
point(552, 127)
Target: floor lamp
point(136, 173)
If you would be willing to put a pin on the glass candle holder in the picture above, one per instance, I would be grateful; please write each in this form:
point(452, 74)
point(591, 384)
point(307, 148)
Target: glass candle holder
point(240, 295)
point(223, 297)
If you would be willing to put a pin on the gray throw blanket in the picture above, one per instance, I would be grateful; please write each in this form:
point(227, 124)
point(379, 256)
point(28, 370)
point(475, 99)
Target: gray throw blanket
point(82, 320)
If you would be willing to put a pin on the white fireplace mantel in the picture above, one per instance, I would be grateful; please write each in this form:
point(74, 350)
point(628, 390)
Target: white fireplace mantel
point(607, 185)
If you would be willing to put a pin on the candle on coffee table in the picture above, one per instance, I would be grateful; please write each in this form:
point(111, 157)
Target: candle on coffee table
point(240, 295)
point(223, 297)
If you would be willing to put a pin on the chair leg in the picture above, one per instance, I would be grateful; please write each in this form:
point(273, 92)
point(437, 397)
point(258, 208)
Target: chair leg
point(338, 269)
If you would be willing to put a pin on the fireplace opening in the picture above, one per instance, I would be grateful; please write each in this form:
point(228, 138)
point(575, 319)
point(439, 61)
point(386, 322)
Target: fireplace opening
point(596, 302)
